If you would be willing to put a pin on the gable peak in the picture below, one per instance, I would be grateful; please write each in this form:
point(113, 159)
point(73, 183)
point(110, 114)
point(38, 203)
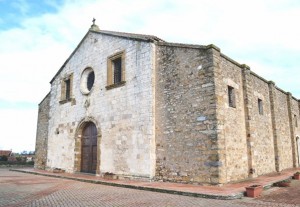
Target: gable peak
point(94, 27)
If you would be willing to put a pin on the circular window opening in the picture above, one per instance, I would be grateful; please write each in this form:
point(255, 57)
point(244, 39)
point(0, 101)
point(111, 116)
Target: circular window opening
point(90, 80)
point(87, 80)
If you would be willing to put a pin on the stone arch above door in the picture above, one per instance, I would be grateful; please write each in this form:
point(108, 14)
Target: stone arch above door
point(78, 143)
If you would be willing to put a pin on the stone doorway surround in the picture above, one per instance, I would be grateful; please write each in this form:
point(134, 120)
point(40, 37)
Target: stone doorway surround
point(78, 143)
point(89, 148)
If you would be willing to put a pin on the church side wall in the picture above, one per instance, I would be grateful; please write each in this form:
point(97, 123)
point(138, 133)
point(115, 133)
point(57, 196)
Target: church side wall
point(295, 116)
point(250, 142)
point(285, 157)
point(261, 131)
point(256, 143)
point(186, 141)
point(231, 120)
point(295, 113)
point(42, 134)
point(124, 115)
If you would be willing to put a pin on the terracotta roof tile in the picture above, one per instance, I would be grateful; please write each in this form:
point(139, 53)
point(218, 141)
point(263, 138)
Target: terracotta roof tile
point(131, 35)
point(5, 152)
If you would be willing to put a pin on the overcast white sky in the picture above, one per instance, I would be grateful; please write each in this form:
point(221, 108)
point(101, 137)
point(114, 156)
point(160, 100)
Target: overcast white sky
point(37, 36)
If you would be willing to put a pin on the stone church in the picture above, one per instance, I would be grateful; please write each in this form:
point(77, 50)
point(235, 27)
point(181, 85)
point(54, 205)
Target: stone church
point(138, 107)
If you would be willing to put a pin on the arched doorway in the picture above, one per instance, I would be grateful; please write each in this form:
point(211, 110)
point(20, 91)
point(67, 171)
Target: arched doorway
point(89, 148)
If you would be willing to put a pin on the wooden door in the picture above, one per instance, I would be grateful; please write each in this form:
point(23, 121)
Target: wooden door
point(89, 149)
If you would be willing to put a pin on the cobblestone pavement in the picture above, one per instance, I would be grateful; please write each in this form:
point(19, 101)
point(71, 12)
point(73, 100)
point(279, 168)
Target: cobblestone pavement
point(20, 189)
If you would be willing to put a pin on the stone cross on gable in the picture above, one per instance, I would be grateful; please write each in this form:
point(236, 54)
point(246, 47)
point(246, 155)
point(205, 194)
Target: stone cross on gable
point(94, 27)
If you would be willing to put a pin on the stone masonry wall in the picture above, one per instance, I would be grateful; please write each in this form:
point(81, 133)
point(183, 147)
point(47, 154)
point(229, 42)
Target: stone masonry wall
point(283, 131)
point(261, 131)
point(231, 120)
point(242, 142)
point(295, 113)
point(255, 143)
point(123, 115)
point(296, 125)
point(186, 141)
point(42, 134)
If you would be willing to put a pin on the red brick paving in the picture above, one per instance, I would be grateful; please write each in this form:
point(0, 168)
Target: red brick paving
point(21, 189)
point(229, 191)
point(288, 195)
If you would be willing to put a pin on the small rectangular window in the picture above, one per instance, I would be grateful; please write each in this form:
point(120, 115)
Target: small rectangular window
point(260, 107)
point(231, 97)
point(117, 69)
point(68, 89)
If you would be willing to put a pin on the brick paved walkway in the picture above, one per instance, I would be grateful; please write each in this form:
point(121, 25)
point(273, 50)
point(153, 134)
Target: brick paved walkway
point(20, 189)
point(225, 192)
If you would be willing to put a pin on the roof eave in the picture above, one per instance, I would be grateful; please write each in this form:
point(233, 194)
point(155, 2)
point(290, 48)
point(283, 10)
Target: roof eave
point(139, 37)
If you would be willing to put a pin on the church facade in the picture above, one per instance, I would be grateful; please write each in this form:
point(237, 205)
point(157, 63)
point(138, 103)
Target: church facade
point(139, 107)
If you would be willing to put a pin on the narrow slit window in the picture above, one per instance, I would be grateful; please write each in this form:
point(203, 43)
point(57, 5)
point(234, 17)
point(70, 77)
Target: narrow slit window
point(231, 97)
point(260, 107)
point(296, 122)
